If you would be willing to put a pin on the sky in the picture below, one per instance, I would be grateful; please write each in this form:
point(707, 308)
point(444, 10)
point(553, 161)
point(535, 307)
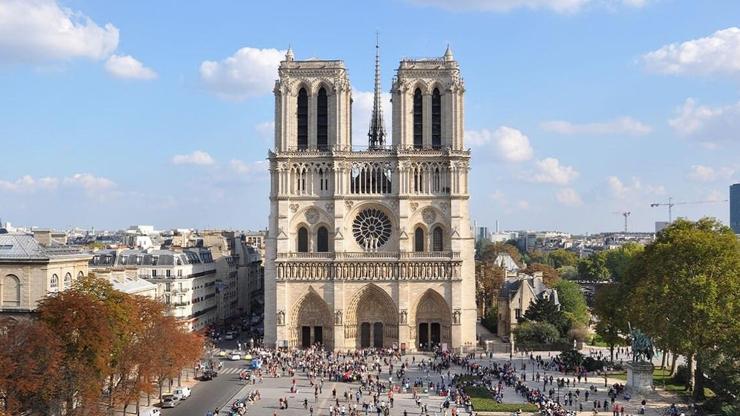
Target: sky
point(161, 112)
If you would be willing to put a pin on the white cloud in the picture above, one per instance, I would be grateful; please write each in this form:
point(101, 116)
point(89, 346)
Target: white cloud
point(558, 6)
point(244, 168)
point(89, 182)
point(621, 126)
point(362, 108)
point(86, 181)
point(715, 54)
point(549, 170)
point(509, 143)
point(705, 123)
point(198, 157)
point(37, 31)
point(249, 72)
point(569, 197)
point(621, 190)
point(128, 67)
point(701, 173)
point(265, 130)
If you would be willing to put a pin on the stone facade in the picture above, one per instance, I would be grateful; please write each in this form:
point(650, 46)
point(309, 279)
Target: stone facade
point(369, 247)
point(517, 294)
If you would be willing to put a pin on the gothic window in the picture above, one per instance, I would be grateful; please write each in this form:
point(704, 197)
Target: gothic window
point(302, 240)
point(437, 239)
point(419, 240)
point(322, 120)
point(371, 178)
point(323, 179)
point(371, 228)
point(11, 291)
point(436, 180)
point(302, 119)
point(322, 240)
point(80, 274)
point(418, 120)
point(418, 180)
point(436, 119)
point(67, 281)
point(54, 282)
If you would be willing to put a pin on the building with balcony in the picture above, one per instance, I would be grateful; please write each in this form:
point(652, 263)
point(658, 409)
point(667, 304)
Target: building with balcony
point(185, 280)
point(369, 246)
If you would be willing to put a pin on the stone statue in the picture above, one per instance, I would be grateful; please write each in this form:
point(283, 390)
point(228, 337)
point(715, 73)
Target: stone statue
point(642, 346)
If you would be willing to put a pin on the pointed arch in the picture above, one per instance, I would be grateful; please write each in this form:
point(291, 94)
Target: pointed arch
point(322, 239)
point(311, 321)
point(371, 305)
point(432, 319)
point(419, 239)
point(438, 239)
point(436, 119)
point(418, 114)
point(322, 119)
point(302, 240)
point(302, 116)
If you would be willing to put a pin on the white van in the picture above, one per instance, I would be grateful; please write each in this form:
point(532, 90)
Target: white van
point(149, 411)
point(182, 393)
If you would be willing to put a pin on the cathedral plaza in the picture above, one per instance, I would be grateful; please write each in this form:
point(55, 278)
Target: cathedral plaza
point(370, 242)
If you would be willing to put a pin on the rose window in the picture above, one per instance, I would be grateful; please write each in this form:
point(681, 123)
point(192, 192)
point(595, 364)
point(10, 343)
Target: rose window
point(371, 229)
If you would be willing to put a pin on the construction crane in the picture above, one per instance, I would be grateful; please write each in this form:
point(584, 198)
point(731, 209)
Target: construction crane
point(670, 204)
point(626, 215)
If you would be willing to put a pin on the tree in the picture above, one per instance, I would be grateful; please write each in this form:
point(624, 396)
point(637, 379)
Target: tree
point(545, 310)
point(618, 260)
point(593, 268)
point(488, 278)
point(561, 258)
point(30, 361)
point(684, 290)
point(572, 302)
point(609, 308)
point(491, 251)
point(549, 275)
point(530, 335)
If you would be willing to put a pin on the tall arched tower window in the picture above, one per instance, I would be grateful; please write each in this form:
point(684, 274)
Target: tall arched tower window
point(11, 291)
point(302, 113)
point(322, 240)
point(302, 240)
point(322, 120)
point(419, 240)
point(437, 239)
point(436, 119)
point(418, 120)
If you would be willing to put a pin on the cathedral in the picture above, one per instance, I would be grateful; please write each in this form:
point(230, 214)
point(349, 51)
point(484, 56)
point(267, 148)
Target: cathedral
point(370, 243)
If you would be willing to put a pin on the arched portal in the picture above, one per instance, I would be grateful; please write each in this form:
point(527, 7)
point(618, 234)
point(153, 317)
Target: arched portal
point(432, 321)
point(372, 319)
point(311, 322)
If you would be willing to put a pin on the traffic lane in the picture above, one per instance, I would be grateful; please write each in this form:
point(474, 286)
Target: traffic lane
point(207, 395)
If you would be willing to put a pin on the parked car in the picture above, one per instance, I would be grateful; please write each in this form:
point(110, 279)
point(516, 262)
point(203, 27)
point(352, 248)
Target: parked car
point(182, 393)
point(168, 400)
point(149, 411)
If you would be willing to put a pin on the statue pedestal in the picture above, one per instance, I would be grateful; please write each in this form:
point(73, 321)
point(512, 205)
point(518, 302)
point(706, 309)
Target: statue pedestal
point(639, 377)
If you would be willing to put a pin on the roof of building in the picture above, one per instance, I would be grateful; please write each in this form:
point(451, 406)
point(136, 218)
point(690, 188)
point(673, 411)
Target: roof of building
point(133, 286)
point(136, 257)
point(24, 247)
point(513, 284)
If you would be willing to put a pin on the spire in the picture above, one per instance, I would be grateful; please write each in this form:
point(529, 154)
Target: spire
point(448, 54)
point(376, 135)
point(289, 54)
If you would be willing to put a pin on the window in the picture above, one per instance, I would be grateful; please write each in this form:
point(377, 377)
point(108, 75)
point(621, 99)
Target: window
point(419, 240)
point(54, 282)
point(517, 313)
point(322, 240)
point(67, 281)
point(322, 120)
point(302, 240)
point(437, 239)
point(167, 272)
point(418, 180)
point(179, 273)
point(154, 272)
point(80, 274)
point(418, 120)
point(436, 119)
point(302, 119)
point(11, 291)
point(436, 180)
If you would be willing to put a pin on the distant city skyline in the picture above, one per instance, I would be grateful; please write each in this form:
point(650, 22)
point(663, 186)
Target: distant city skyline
point(145, 113)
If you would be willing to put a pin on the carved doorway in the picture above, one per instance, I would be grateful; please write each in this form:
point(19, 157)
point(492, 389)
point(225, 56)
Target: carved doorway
point(372, 319)
point(433, 321)
point(312, 322)
point(365, 335)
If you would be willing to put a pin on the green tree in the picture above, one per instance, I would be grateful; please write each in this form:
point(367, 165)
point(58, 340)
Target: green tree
point(529, 335)
point(609, 308)
point(593, 268)
point(684, 290)
point(545, 310)
point(561, 258)
point(572, 302)
point(618, 260)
